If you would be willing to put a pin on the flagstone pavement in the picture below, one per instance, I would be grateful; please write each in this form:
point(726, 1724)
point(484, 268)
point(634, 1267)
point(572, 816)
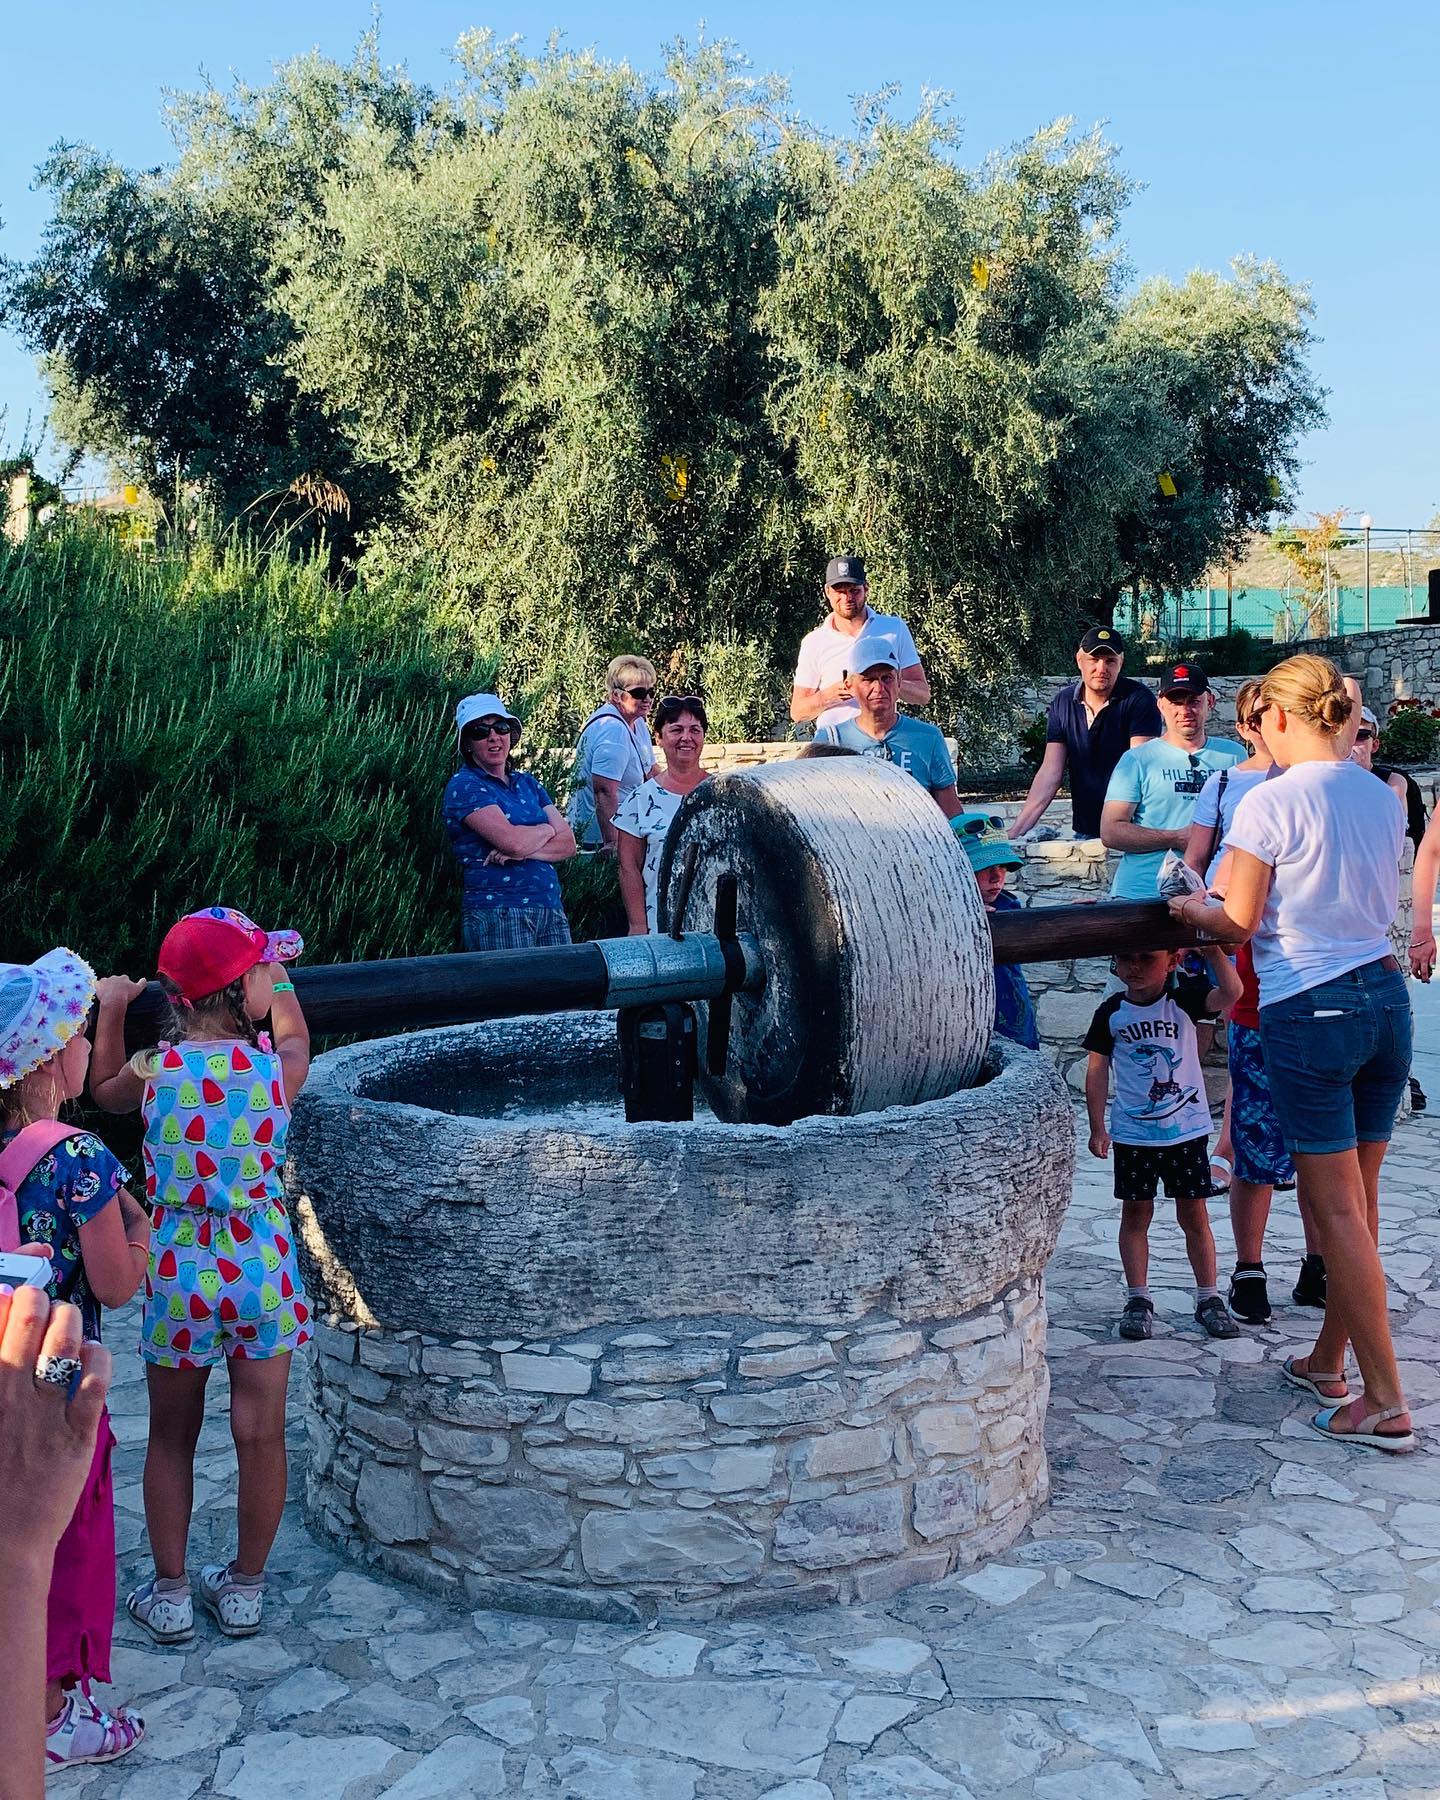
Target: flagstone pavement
point(1214, 1603)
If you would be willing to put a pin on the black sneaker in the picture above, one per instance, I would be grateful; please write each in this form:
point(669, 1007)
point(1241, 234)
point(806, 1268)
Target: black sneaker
point(1136, 1319)
point(1249, 1296)
point(1212, 1315)
point(1418, 1102)
point(1310, 1288)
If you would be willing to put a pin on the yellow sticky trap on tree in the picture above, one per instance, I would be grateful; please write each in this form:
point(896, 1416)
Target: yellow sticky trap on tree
point(487, 463)
point(130, 494)
point(492, 240)
point(1165, 481)
point(676, 470)
point(1274, 486)
point(822, 419)
point(980, 273)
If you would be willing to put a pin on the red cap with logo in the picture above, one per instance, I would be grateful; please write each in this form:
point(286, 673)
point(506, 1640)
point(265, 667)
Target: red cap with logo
point(209, 949)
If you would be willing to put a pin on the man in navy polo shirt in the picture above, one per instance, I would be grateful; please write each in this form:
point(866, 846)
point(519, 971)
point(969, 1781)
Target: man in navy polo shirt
point(1089, 727)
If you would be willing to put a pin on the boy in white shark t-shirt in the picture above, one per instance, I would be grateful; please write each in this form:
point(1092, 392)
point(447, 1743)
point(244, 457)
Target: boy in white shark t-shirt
point(1159, 1119)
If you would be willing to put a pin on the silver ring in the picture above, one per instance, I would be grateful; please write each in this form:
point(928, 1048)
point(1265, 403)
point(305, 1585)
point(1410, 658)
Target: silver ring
point(58, 1371)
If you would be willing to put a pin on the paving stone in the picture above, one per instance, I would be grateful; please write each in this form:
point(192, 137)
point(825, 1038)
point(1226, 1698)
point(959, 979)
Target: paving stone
point(309, 1690)
point(985, 1749)
point(1111, 1736)
point(596, 1775)
point(1143, 1581)
point(415, 1653)
point(665, 1654)
point(773, 1727)
point(1277, 1552)
point(1308, 1752)
point(382, 1708)
point(577, 1712)
point(189, 1721)
point(865, 1716)
point(1289, 1594)
point(1179, 1733)
point(900, 1778)
point(998, 1585)
point(1092, 1781)
point(239, 1659)
point(800, 1790)
point(1287, 1646)
point(763, 1656)
point(454, 1769)
point(509, 1717)
point(884, 1656)
point(303, 1768)
point(1418, 1523)
point(1232, 1777)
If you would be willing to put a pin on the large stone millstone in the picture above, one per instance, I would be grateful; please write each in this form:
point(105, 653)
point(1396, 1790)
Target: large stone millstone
point(880, 985)
point(573, 1365)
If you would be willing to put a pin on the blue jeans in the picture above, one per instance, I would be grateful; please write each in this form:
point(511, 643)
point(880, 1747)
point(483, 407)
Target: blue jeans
point(1338, 1058)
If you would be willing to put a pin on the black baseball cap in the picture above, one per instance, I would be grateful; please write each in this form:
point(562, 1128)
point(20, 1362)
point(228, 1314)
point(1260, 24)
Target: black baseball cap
point(1102, 637)
point(1185, 678)
point(845, 571)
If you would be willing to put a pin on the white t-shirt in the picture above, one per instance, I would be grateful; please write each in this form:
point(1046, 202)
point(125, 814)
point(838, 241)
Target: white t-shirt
point(646, 812)
point(608, 747)
point(1333, 836)
point(1155, 1060)
point(1216, 806)
point(825, 652)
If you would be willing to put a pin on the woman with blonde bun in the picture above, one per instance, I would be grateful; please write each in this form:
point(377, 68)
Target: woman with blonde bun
point(1314, 882)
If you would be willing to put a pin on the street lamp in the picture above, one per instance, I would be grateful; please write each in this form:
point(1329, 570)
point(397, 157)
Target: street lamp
point(1365, 523)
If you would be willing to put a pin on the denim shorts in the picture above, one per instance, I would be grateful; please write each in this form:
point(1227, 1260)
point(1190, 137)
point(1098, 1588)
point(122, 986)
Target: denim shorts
point(1338, 1057)
point(1260, 1154)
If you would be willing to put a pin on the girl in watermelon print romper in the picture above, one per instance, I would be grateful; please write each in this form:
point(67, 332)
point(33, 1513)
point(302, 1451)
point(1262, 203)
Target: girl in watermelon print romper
point(223, 1285)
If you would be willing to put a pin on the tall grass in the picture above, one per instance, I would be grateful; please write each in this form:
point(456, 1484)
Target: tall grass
point(220, 724)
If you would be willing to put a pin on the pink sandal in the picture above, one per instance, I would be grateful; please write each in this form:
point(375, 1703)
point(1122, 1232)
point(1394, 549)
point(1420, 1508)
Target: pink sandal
point(1366, 1435)
point(83, 1732)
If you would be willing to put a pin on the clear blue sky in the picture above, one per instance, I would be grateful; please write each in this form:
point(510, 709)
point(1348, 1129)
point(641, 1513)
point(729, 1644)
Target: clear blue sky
point(1299, 130)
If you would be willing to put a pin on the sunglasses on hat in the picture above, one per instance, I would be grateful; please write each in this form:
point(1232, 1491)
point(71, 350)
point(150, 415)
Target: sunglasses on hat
point(978, 827)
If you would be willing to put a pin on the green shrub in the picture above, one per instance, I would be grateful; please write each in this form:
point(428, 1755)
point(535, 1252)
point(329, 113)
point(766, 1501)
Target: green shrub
point(220, 724)
point(1031, 738)
point(1411, 734)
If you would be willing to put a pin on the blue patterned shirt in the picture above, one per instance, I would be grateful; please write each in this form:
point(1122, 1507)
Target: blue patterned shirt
point(523, 801)
point(67, 1188)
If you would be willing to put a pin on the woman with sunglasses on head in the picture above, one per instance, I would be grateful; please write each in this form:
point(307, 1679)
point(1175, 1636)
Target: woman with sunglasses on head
point(644, 816)
point(614, 753)
point(507, 834)
point(1314, 882)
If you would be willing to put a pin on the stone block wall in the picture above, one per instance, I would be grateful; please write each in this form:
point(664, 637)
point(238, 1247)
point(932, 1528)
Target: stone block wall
point(695, 1466)
point(1403, 664)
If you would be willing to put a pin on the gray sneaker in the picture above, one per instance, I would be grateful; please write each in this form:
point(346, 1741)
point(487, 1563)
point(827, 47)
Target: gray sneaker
point(1136, 1320)
point(1212, 1315)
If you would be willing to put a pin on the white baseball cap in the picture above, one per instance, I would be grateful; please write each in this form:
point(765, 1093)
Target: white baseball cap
point(483, 706)
point(873, 650)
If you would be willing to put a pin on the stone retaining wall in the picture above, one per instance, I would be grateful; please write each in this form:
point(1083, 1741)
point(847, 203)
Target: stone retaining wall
point(1403, 664)
point(696, 1466)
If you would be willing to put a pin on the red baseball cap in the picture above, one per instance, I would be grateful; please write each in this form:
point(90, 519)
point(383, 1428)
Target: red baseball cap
point(209, 949)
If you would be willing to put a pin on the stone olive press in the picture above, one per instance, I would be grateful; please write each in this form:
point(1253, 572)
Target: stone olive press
point(787, 1351)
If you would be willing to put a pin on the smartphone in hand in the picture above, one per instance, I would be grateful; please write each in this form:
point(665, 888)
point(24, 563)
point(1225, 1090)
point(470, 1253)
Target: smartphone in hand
point(23, 1271)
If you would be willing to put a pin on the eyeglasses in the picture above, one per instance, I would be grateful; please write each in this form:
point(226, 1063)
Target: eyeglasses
point(978, 827)
point(640, 693)
point(502, 728)
point(1365, 735)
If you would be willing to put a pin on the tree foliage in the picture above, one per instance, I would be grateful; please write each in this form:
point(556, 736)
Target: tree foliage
point(605, 359)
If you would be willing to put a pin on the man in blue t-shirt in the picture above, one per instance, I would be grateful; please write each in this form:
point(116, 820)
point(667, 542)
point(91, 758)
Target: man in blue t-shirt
point(878, 729)
point(1151, 797)
point(1090, 725)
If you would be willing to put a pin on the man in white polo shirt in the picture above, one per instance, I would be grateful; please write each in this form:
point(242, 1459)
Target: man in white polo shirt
point(825, 664)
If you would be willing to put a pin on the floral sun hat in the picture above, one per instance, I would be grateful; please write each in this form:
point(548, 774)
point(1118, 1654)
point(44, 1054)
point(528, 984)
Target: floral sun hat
point(42, 1006)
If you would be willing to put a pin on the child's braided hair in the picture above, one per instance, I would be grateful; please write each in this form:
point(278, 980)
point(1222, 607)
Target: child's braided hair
point(228, 1002)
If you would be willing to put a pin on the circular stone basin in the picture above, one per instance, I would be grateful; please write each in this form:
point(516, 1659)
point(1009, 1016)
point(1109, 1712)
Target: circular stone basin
point(567, 1363)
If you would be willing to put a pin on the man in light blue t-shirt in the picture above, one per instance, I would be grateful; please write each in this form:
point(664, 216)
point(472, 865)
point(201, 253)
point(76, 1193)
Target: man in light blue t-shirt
point(879, 730)
point(1151, 797)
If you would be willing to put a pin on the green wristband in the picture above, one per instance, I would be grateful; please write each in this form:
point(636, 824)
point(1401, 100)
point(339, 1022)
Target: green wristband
point(283, 987)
